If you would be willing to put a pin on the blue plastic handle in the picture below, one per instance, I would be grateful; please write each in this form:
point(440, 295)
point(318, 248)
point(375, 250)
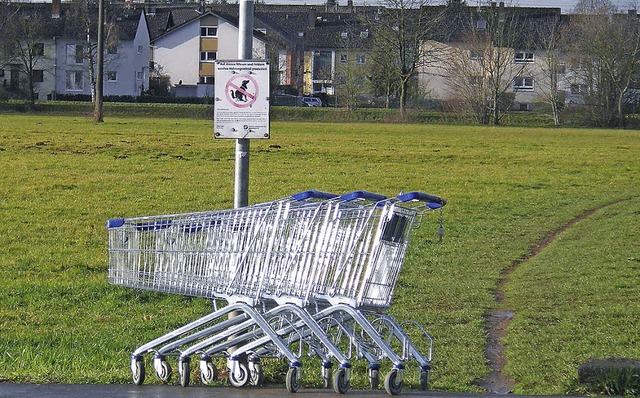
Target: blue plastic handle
point(374, 197)
point(423, 197)
point(115, 223)
point(313, 194)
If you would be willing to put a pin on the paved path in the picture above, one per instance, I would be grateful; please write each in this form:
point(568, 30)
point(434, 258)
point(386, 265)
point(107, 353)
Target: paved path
point(10, 390)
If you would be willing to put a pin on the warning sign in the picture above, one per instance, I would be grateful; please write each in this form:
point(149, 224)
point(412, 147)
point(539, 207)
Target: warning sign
point(241, 103)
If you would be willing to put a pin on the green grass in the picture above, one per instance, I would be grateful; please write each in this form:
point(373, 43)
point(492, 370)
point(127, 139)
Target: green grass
point(63, 177)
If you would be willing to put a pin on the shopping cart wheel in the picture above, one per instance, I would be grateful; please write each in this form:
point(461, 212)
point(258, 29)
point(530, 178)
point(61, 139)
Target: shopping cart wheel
point(208, 371)
point(326, 374)
point(374, 378)
point(137, 370)
point(424, 379)
point(239, 377)
point(293, 379)
point(184, 368)
point(341, 382)
point(255, 370)
point(393, 382)
point(162, 368)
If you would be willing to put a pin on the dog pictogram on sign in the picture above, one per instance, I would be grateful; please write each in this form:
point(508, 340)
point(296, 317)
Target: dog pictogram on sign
point(242, 90)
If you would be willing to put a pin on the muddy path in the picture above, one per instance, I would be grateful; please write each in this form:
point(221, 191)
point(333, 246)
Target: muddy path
point(498, 320)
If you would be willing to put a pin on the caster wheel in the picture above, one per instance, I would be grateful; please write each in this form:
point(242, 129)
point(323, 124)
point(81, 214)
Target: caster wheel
point(163, 369)
point(424, 380)
point(374, 378)
point(255, 371)
point(137, 371)
point(184, 368)
point(293, 379)
point(326, 376)
point(393, 382)
point(341, 382)
point(239, 377)
point(208, 372)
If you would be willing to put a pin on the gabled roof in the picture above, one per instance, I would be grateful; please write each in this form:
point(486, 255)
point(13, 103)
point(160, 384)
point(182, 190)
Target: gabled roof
point(169, 20)
point(68, 24)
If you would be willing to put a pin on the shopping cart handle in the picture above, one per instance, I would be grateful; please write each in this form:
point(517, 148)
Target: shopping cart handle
point(423, 197)
point(313, 194)
point(374, 197)
point(115, 223)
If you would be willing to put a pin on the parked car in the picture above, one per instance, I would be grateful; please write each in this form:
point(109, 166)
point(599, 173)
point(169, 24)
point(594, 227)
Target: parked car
point(312, 101)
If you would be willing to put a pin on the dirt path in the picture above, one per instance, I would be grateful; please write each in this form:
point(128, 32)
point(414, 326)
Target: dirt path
point(498, 320)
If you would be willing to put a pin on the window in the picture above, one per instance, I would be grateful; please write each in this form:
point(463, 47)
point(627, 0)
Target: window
point(112, 76)
point(579, 89)
point(140, 48)
point(75, 80)
point(364, 34)
point(1, 72)
point(523, 57)
point(206, 79)
point(37, 75)
point(344, 58)
point(38, 49)
point(208, 56)
point(360, 59)
point(209, 31)
point(481, 24)
point(75, 54)
point(344, 35)
point(139, 75)
point(523, 83)
point(476, 54)
point(523, 106)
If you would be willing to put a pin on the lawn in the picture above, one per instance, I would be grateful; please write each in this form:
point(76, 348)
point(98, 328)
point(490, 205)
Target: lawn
point(63, 177)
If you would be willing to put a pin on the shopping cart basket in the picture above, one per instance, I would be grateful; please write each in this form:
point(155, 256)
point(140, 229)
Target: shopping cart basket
point(311, 247)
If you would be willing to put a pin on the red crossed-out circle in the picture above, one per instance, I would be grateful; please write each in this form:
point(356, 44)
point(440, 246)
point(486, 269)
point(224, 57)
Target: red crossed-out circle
point(234, 85)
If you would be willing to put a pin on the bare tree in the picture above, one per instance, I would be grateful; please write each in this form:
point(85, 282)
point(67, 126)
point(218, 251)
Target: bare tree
point(80, 23)
point(22, 36)
point(482, 69)
point(605, 50)
point(548, 41)
point(400, 31)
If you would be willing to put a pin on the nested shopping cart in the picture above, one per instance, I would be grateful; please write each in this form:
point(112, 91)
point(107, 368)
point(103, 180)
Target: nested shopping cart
point(313, 250)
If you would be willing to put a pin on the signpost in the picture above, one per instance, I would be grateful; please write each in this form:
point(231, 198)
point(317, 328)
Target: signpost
point(241, 109)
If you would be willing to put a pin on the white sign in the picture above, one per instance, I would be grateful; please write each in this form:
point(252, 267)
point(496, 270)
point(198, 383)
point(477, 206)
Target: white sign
point(241, 103)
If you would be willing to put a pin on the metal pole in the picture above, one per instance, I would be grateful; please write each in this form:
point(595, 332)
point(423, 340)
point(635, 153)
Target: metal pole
point(245, 52)
point(97, 110)
point(241, 187)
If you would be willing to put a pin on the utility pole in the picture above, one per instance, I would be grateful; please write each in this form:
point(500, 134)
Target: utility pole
point(97, 109)
point(245, 42)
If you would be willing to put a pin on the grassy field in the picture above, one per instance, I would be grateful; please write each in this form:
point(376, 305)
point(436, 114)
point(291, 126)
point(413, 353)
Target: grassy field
point(506, 188)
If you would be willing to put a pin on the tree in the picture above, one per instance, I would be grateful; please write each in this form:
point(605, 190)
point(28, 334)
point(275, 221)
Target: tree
point(80, 23)
point(400, 31)
point(548, 41)
point(482, 70)
point(605, 50)
point(23, 49)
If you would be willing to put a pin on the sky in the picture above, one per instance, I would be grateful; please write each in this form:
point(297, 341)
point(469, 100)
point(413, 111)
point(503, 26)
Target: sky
point(565, 5)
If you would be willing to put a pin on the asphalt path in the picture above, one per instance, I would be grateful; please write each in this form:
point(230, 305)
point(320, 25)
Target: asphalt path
point(10, 390)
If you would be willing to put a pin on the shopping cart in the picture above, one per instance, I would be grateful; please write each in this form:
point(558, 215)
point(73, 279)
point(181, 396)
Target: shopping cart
point(312, 250)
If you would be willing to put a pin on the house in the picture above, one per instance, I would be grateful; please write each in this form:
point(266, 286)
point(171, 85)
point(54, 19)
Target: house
point(126, 60)
point(186, 49)
point(63, 63)
point(496, 46)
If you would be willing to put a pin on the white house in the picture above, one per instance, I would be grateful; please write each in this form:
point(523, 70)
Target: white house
point(186, 53)
point(126, 61)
